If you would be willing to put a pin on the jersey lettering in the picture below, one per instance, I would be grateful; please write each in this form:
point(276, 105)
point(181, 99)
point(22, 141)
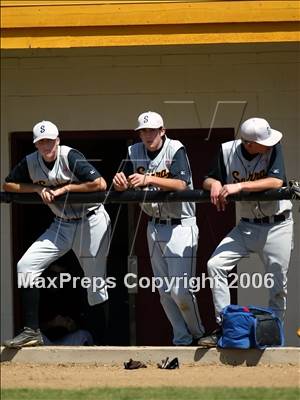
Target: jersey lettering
point(161, 174)
point(253, 176)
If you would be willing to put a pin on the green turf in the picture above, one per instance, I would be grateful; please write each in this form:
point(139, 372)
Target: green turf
point(153, 393)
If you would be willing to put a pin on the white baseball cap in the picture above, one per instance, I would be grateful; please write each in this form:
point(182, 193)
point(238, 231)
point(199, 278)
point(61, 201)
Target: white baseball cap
point(259, 131)
point(44, 130)
point(150, 119)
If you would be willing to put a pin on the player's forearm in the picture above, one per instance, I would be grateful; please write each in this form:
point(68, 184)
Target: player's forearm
point(166, 183)
point(98, 184)
point(22, 187)
point(261, 184)
point(208, 182)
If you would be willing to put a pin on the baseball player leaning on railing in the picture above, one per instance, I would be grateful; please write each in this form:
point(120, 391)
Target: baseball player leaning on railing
point(252, 164)
point(51, 171)
point(160, 163)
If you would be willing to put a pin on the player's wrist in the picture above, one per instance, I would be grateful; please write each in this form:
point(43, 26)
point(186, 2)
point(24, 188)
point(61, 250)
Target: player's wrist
point(39, 189)
point(216, 185)
point(147, 180)
point(240, 186)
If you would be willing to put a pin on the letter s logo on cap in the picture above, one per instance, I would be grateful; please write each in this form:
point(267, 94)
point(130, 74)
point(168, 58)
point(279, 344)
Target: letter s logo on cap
point(42, 129)
point(145, 118)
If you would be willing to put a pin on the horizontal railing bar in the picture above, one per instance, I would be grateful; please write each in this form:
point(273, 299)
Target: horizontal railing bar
point(141, 196)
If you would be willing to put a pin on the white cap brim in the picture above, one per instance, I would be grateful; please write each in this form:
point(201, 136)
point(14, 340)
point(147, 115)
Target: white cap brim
point(147, 125)
point(274, 138)
point(46, 136)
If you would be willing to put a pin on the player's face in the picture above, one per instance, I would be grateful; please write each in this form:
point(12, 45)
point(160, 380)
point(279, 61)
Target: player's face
point(47, 148)
point(152, 138)
point(256, 148)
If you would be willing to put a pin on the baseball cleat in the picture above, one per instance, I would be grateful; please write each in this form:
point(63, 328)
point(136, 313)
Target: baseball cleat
point(210, 340)
point(27, 338)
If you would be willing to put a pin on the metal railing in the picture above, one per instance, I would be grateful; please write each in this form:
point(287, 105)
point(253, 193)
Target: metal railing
point(144, 196)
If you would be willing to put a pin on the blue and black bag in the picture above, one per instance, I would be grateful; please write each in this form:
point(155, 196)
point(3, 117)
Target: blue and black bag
point(250, 327)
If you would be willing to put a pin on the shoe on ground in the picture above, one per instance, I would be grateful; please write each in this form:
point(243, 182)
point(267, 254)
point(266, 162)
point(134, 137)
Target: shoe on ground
point(210, 340)
point(27, 338)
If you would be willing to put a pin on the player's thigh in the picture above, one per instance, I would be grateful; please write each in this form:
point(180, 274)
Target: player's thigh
point(183, 241)
point(51, 245)
point(230, 250)
point(276, 247)
point(182, 251)
point(93, 236)
point(157, 238)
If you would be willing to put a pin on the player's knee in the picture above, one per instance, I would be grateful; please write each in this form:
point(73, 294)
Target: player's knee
point(181, 297)
point(26, 277)
point(23, 266)
point(212, 266)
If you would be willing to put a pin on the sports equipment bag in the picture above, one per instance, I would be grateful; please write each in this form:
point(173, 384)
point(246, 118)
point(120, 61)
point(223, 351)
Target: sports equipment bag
point(250, 327)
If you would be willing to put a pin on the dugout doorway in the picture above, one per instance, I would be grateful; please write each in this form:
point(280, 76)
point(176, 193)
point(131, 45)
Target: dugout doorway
point(131, 318)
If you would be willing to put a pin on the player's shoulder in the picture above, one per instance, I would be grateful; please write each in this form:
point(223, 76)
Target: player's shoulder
point(232, 143)
point(71, 153)
point(174, 142)
point(136, 147)
point(32, 156)
point(276, 152)
point(231, 147)
point(65, 149)
point(277, 147)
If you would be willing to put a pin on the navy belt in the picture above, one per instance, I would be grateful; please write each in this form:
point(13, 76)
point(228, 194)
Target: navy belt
point(171, 221)
point(87, 215)
point(266, 220)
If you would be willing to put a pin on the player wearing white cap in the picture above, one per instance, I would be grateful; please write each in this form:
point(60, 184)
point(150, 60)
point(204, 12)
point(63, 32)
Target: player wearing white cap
point(51, 171)
point(160, 163)
point(252, 164)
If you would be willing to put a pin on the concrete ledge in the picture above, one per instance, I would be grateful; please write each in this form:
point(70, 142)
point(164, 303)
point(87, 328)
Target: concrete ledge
point(117, 355)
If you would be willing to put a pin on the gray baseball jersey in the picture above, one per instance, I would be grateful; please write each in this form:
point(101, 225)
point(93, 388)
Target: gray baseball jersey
point(159, 166)
point(60, 174)
point(85, 230)
point(239, 169)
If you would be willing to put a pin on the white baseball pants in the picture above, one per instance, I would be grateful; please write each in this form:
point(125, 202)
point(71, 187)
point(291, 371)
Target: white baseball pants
point(272, 242)
point(88, 238)
point(173, 251)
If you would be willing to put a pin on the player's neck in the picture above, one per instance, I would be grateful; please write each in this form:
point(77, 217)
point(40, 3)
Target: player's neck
point(153, 154)
point(49, 164)
point(248, 155)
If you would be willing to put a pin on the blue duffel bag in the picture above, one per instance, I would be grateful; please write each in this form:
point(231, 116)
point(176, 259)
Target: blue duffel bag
point(250, 327)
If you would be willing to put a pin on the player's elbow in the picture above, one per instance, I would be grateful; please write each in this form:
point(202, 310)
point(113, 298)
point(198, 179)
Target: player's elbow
point(182, 185)
point(277, 183)
point(6, 187)
point(99, 184)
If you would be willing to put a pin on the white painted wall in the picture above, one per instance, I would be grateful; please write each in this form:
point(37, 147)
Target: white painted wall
point(95, 89)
